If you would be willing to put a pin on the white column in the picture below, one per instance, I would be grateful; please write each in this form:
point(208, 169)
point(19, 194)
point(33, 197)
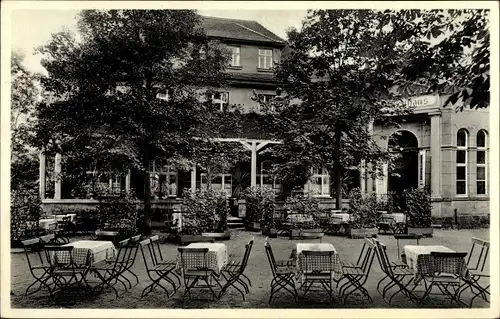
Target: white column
point(57, 173)
point(362, 182)
point(421, 168)
point(193, 178)
point(435, 155)
point(381, 182)
point(127, 182)
point(42, 175)
point(253, 176)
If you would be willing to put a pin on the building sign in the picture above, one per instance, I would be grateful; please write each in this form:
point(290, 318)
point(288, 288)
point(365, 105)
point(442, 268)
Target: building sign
point(423, 101)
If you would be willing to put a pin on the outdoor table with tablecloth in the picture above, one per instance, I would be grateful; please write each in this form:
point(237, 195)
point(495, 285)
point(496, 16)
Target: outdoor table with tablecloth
point(99, 251)
point(397, 217)
point(412, 253)
point(217, 255)
point(46, 222)
point(72, 217)
point(335, 267)
point(299, 218)
point(343, 217)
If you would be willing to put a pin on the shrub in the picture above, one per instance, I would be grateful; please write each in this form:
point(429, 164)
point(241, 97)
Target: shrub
point(418, 207)
point(119, 213)
point(204, 211)
point(363, 210)
point(259, 202)
point(25, 211)
point(305, 208)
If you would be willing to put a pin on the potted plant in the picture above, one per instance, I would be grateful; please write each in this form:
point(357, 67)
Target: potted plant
point(364, 213)
point(301, 211)
point(254, 204)
point(204, 215)
point(118, 213)
point(418, 208)
point(25, 210)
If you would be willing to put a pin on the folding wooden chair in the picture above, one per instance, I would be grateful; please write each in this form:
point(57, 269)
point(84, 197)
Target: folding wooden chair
point(443, 270)
point(234, 270)
point(109, 272)
point(133, 242)
point(400, 277)
point(317, 267)
point(39, 269)
point(194, 267)
point(283, 271)
point(62, 266)
point(357, 277)
point(155, 269)
point(359, 262)
point(477, 271)
point(158, 258)
point(406, 236)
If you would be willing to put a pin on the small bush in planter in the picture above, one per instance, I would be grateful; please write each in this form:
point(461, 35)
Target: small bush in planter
point(204, 211)
point(260, 202)
point(304, 208)
point(418, 207)
point(25, 211)
point(363, 210)
point(119, 213)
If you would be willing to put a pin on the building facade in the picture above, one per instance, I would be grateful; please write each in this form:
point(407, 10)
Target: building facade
point(442, 150)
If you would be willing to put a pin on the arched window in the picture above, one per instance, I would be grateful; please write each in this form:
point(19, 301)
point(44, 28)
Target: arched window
point(481, 162)
point(461, 185)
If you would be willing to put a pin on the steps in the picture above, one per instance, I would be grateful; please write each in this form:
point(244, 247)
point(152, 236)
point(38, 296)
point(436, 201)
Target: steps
point(234, 222)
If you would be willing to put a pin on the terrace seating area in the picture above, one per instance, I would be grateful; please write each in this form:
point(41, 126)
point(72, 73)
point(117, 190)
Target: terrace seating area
point(252, 270)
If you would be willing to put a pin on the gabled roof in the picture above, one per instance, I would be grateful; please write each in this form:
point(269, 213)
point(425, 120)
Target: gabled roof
point(237, 29)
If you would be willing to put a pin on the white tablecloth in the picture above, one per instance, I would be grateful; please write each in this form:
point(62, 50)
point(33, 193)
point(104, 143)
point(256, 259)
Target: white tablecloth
point(217, 255)
point(343, 216)
point(45, 223)
point(72, 217)
point(413, 251)
point(336, 266)
point(397, 217)
point(299, 218)
point(99, 250)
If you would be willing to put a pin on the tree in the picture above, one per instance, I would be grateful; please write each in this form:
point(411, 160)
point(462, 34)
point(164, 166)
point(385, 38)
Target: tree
point(24, 95)
point(106, 83)
point(340, 76)
point(454, 60)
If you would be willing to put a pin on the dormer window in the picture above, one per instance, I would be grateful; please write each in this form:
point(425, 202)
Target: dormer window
point(235, 56)
point(265, 59)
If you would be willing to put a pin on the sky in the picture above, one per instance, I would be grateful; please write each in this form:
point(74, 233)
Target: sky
point(32, 28)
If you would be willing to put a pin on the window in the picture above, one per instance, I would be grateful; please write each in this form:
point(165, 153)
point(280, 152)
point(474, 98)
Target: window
point(319, 184)
point(219, 98)
point(220, 182)
point(266, 98)
point(163, 179)
point(481, 163)
point(461, 186)
point(165, 95)
point(235, 56)
point(266, 179)
point(112, 182)
point(202, 53)
point(265, 59)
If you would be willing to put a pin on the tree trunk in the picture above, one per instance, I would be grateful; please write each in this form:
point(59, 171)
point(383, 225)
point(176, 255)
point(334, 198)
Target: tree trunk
point(146, 218)
point(338, 170)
